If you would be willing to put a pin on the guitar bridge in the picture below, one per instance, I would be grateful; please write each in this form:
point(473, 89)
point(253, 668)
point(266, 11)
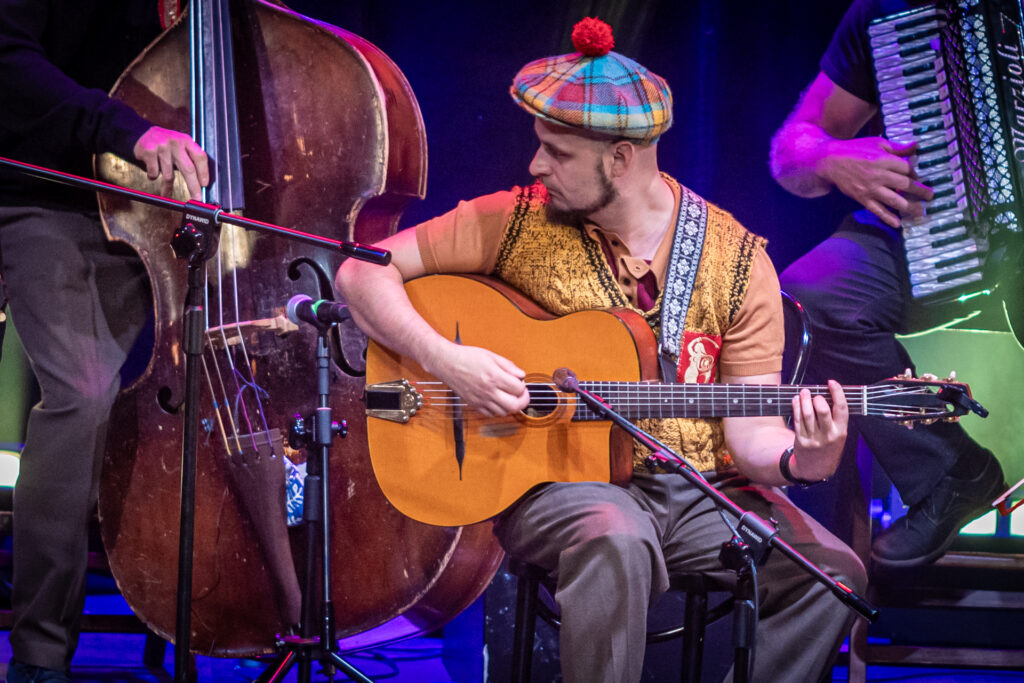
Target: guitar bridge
point(396, 401)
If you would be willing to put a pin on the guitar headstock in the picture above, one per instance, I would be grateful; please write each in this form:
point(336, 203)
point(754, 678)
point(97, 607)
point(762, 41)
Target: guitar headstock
point(927, 399)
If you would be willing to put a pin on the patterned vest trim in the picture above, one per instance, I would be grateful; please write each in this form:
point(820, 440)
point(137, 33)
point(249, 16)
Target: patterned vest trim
point(564, 271)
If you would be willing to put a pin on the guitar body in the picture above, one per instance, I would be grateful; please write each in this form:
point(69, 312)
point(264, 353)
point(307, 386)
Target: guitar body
point(416, 464)
point(441, 463)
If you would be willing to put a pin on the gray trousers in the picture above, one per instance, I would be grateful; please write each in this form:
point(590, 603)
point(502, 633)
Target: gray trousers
point(612, 550)
point(78, 303)
point(856, 290)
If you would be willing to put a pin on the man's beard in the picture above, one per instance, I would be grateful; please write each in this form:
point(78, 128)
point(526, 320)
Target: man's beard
point(576, 216)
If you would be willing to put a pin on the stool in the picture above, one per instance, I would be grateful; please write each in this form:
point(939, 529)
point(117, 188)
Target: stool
point(697, 615)
point(978, 581)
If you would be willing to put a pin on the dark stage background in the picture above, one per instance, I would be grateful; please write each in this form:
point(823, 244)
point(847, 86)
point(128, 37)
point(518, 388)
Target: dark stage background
point(736, 69)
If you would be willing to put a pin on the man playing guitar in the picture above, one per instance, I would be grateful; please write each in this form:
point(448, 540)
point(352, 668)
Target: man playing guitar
point(603, 227)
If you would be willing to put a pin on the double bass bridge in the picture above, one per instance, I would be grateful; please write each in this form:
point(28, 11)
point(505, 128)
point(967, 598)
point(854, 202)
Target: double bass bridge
point(220, 337)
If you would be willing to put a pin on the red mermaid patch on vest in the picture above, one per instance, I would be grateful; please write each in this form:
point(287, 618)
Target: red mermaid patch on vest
point(698, 357)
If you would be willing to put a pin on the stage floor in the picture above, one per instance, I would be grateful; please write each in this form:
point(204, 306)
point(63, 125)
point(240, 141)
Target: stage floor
point(117, 658)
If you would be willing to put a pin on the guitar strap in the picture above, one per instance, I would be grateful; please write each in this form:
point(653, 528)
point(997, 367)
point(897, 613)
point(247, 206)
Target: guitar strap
point(687, 247)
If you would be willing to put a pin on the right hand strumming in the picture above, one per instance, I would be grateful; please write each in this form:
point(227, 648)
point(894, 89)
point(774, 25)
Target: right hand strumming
point(487, 382)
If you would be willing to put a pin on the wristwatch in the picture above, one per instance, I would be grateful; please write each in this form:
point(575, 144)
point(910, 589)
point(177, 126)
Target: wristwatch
point(787, 474)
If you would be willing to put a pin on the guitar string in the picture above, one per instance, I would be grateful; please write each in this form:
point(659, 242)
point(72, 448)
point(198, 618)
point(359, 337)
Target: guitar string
point(445, 398)
point(748, 391)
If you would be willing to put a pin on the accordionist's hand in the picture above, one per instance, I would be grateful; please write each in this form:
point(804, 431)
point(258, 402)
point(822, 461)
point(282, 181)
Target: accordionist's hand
point(878, 174)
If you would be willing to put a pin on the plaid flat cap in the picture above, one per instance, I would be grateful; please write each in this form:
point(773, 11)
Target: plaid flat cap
point(597, 90)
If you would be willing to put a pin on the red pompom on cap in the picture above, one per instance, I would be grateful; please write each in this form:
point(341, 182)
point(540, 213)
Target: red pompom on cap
point(592, 37)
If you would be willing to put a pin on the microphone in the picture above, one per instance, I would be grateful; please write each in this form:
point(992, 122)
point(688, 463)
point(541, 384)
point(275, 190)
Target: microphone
point(302, 308)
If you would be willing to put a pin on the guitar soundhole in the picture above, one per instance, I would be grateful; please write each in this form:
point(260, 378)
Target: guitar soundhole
point(543, 400)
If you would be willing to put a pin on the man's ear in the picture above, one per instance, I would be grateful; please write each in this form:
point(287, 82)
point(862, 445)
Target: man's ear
point(623, 153)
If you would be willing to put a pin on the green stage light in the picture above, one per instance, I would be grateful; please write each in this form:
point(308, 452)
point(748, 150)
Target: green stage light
point(1017, 522)
point(10, 462)
point(982, 526)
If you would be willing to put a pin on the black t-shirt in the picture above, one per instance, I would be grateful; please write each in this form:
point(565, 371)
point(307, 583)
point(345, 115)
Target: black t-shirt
point(848, 61)
point(58, 60)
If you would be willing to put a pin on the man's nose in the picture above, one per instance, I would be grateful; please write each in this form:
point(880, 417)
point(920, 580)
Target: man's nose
point(538, 166)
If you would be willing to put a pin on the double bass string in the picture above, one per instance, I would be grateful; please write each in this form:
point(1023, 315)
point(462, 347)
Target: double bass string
point(224, 106)
point(213, 112)
point(223, 401)
point(216, 409)
point(243, 382)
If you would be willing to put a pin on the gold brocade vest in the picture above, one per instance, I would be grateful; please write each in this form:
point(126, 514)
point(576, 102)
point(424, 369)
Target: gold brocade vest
point(565, 271)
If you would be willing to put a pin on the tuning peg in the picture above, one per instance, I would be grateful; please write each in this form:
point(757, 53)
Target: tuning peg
point(929, 377)
point(929, 421)
point(951, 418)
point(907, 374)
point(909, 424)
point(952, 376)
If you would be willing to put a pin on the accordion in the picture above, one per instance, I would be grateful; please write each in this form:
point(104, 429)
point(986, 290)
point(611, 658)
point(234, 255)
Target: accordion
point(951, 78)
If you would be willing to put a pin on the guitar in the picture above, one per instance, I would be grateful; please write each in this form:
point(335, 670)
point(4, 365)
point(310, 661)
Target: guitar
point(441, 463)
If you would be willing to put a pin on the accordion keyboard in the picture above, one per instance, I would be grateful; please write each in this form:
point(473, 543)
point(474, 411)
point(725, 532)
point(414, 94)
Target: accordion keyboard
point(944, 254)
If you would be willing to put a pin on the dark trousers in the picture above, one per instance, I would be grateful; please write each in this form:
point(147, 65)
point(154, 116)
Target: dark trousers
point(612, 550)
point(855, 287)
point(78, 302)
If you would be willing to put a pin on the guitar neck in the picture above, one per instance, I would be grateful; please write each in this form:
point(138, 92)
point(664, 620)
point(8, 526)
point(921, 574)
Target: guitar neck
point(636, 400)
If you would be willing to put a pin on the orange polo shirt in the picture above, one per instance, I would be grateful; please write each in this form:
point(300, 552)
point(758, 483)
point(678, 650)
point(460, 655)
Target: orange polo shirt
point(467, 239)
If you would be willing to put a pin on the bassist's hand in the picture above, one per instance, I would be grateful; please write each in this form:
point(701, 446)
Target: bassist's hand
point(162, 151)
point(486, 382)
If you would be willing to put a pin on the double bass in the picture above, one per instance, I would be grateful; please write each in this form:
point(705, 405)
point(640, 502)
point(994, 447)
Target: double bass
point(329, 140)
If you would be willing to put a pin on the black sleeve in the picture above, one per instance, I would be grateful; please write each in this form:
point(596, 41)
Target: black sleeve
point(41, 100)
point(847, 61)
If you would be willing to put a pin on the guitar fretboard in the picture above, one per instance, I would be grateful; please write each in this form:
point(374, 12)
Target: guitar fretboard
point(636, 400)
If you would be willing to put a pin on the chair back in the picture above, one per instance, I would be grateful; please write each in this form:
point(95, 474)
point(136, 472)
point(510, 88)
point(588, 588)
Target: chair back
point(797, 349)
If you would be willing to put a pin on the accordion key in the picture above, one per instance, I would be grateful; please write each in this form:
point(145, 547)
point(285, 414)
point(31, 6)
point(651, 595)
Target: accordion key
point(951, 79)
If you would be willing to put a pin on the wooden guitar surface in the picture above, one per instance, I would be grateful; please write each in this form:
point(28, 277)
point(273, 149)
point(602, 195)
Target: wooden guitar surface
point(416, 464)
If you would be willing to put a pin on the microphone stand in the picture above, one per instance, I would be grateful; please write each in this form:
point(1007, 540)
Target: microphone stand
point(195, 241)
point(316, 508)
point(747, 549)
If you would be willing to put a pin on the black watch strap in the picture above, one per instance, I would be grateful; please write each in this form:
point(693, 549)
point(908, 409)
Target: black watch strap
point(787, 474)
